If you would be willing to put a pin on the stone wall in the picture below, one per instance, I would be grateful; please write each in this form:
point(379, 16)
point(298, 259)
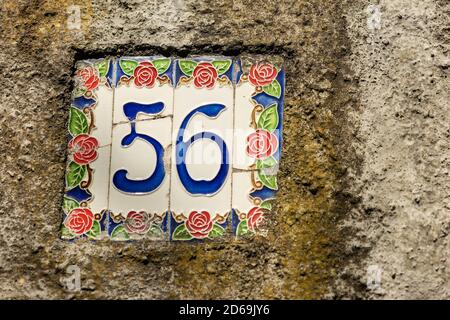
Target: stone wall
point(364, 174)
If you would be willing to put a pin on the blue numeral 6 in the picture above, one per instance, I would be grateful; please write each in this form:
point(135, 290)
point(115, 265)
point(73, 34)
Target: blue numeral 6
point(201, 186)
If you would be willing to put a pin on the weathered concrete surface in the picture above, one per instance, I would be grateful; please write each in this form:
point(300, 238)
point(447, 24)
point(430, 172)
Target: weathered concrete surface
point(364, 176)
point(402, 73)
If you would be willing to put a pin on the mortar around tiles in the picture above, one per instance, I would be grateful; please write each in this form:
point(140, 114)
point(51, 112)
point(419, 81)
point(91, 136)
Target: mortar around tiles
point(190, 162)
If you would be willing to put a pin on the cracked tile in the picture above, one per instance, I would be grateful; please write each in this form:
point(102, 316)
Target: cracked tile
point(173, 149)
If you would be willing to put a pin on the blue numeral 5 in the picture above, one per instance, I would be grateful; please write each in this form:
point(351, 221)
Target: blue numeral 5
point(150, 184)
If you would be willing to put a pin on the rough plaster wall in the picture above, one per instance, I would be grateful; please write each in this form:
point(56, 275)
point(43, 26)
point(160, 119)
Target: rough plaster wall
point(402, 69)
point(363, 177)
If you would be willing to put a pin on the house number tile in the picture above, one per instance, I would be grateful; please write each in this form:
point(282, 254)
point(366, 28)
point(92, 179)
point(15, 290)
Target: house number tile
point(173, 149)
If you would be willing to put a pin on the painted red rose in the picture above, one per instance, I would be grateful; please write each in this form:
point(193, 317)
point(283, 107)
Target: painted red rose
point(137, 222)
point(84, 148)
point(261, 144)
point(199, 224)
point(90, 78)
point(205, 75)
point(262, 74)
point(79, 220)
point(254, 218)
point(145, 74)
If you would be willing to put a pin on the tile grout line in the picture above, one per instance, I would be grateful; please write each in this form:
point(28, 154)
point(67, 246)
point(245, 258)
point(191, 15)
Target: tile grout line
point(110, 145)
point(115, 124)
point(172, 151)
point(233, 83)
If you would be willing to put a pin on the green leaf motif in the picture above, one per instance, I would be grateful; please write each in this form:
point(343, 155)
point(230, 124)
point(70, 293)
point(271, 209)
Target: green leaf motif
point(269, 162)
point(69, 204)
point(161, 65)
point(66, 234)
point(78, 122)
point(75, 174)
point(270, 181)
point(242, 229)
point(273, 89)
point(181, 233)
point(102, 67)
point(119, 233)
point(268, 120)
point(95, 231)
point(217, 231)
point(266, 204)
point(78, 91)
point(155, 232)
point(187, 66)
point(221, 66)
point(269, 166)
point(128, 66)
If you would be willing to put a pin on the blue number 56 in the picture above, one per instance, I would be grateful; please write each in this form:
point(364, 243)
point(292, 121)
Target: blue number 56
point(196, 187)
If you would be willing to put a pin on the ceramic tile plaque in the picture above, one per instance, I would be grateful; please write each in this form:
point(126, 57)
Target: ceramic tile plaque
point(173, 149)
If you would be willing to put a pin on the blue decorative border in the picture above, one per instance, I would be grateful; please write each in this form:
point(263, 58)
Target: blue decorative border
point(246, 224)
point(90, 74)
point(234, 75)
